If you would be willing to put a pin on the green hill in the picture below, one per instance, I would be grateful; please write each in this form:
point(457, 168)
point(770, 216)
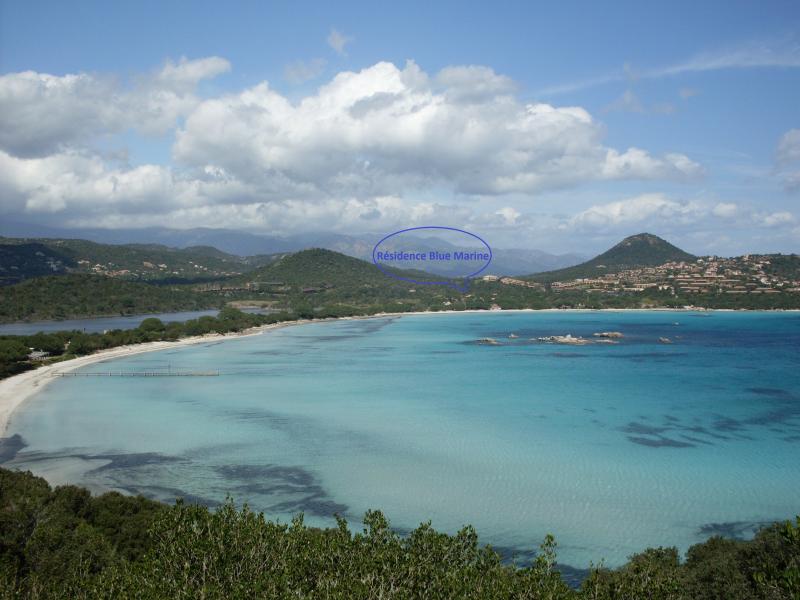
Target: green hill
point(77, 295)
point(22, 259)
point(325, 268)
point(640, 250)
point(317, 278)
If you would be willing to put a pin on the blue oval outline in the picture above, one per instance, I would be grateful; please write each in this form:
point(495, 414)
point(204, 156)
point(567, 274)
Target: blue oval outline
point(465, 277)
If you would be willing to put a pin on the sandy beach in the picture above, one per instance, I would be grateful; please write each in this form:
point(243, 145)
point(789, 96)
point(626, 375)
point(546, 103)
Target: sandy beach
point(17, 389)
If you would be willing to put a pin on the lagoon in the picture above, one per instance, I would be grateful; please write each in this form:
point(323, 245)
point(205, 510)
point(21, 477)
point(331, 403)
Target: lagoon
point(612, 447)
point(101, 324)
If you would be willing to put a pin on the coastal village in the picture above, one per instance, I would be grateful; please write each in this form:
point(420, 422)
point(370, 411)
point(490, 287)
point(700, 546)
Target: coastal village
point(748, 274)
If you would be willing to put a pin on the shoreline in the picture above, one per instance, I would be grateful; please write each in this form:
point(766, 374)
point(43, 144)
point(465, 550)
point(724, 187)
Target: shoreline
point(15, 390)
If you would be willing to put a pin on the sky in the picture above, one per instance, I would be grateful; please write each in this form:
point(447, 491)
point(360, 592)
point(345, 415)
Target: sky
point(559, 126)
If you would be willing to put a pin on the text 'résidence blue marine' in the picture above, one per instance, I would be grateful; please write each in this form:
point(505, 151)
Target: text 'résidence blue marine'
point(433, 255)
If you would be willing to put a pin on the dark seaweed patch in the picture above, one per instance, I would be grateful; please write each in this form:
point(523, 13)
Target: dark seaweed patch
point(737, 530)
point(268, 480)
point(130, 461)
point(155, 491)
point(313, 505)
point(9, 446)
point(727, 424)
point(292, 475)
point(696, 440)
point(772, 392)
point(660, 442)
point(573, 576)
point(642, 429)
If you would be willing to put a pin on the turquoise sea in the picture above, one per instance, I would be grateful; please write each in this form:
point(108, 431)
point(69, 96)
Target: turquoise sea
point(612, 448)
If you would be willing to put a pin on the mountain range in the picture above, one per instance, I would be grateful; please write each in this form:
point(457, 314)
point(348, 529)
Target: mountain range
point(505, 261)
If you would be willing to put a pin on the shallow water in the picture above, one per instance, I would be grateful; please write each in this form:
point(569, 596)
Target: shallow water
point(612, 448)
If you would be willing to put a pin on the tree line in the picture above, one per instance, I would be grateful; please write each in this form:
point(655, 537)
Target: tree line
point(64, 543)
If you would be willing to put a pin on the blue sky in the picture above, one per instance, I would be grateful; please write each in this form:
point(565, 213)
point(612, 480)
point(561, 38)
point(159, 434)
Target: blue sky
point(570, 125)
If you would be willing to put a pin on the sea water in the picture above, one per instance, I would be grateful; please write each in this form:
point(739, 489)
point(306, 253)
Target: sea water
point(610, 447)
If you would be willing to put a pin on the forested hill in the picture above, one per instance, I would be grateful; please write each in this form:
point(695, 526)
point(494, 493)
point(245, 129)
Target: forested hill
point(319, 267)
point(77, 295)
point(640, 250)
point(22, 259)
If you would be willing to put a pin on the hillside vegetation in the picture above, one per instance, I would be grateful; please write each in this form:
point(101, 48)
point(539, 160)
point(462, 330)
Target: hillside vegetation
point(641, 250)
point(317, 279)
point(314, 282)
point(64, 543)
point(22, 259)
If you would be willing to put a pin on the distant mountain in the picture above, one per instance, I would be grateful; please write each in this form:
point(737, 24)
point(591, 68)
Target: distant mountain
point(240, 243)
point(640, 250)
point(505, 261)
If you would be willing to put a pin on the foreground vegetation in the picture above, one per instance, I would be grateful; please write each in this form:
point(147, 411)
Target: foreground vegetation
point(64, 543)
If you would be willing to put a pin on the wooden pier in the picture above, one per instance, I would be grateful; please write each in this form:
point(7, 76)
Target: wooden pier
point(135, 374)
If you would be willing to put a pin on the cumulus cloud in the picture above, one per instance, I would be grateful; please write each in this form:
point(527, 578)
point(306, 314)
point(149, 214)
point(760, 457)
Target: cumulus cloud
point(660, 212)
point(473, 82)
point(775, 219)
point(725, 210)
point(384, 129)
point(352, 154)
point(184, 75)
point(338, 41)
point(637, 210)
point(41, 113)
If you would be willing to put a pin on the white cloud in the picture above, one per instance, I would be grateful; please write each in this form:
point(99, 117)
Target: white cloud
point(338, 41)
point(755, 54)
point(358, 153)
point(725, 210)
point(750, 55)
point(474, 82)
point(635, 211)
point(774, 219)
point(301, 71)
point(41, 113)
point(509, 215)
point(382, 130)
point(184, 75)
